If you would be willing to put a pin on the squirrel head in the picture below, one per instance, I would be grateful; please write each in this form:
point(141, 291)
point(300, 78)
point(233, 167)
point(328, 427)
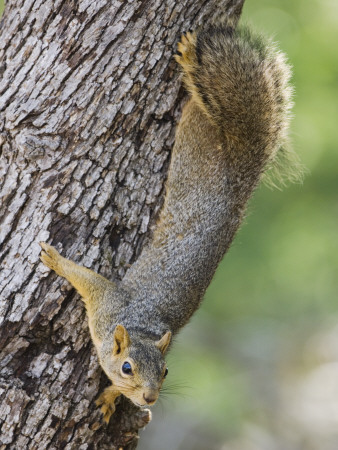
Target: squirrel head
point(136, 366)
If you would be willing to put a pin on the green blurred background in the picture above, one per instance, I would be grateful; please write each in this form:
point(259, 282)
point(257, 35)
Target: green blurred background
point(257, 368)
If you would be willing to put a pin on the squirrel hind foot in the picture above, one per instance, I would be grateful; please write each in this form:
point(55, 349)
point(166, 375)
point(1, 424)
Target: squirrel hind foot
point(186, 48)
point(187, 58)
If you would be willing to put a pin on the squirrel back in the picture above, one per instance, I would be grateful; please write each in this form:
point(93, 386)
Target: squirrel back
point(231, 129)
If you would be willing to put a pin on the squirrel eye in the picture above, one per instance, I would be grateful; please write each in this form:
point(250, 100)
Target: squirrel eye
point(126, 368)
point(165, 372)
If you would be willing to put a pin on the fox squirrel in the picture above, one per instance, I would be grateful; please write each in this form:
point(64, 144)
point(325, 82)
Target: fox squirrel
point(232, 127)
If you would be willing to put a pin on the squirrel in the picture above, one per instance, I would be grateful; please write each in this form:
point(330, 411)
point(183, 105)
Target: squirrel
point(232, 127)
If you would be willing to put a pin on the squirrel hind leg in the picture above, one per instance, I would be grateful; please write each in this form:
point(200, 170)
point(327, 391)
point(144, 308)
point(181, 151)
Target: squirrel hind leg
point(241, 82)
point(188, 60)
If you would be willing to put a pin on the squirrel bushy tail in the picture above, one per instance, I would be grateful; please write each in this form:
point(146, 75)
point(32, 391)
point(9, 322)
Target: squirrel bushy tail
point(241, 81)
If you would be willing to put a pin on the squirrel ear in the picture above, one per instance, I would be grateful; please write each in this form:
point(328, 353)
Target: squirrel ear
point(164, 342)
point(121, 339)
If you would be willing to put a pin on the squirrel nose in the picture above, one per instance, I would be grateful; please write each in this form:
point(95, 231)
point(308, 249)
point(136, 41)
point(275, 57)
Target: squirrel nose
point(150, 398)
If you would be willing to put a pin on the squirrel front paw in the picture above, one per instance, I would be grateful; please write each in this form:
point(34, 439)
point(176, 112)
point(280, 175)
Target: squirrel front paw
point(107, 402)
point(51, 258)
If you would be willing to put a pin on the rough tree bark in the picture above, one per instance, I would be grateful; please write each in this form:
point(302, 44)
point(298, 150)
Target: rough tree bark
point(89, 98)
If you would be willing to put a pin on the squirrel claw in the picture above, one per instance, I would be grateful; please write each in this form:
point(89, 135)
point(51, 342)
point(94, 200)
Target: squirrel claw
point(50, 257)
point(107, 403)
point(107, 411)
point(186, 50)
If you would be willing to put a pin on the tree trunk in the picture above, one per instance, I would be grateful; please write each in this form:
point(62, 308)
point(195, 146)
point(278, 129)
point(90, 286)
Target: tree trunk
point(89, 98)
